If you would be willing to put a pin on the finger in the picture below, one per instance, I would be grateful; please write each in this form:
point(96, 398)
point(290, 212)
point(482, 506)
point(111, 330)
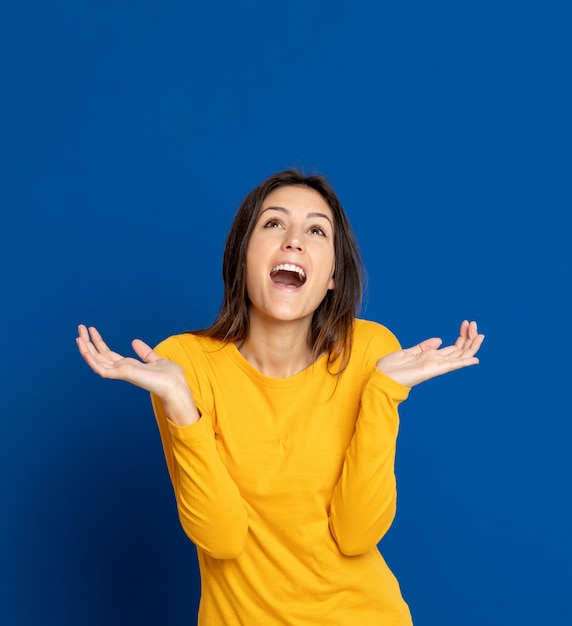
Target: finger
point(465, 362)
point(477, 343)
point(459, 352)
point(85, 349)
point(450, 350)
point(88, 346)
point(81, 345)
point(83, 334)
point(83, 341)
point(144, 351)
point(456, 364)
point(469, 333)
point(429, 344)
point(463, 334)
point(98, 358)
point(91, 335)
point(109, 365)
point(473, 347)
point(97, 340)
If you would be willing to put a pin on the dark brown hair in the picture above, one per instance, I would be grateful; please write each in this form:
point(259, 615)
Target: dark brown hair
point(331, 328)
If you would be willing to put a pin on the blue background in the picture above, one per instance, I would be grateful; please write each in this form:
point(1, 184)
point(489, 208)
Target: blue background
point(129, 133)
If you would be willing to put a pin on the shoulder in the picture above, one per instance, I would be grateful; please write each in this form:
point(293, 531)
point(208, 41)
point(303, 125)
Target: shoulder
point(371, 338)
point(180, 348)
point(195, 355)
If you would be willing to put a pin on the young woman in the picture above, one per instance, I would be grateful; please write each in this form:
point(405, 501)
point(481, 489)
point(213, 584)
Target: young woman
point(279, 422)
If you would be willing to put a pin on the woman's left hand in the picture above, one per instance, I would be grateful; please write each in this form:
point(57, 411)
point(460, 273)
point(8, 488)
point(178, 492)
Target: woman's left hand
point(425, 360)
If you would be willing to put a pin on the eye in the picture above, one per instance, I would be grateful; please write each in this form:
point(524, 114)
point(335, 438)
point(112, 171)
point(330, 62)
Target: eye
point(272, 223)
point(317, 230)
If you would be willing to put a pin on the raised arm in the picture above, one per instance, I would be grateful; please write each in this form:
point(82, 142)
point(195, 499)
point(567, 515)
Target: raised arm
point(211, 510)
point(364, 500)
point(363, 503)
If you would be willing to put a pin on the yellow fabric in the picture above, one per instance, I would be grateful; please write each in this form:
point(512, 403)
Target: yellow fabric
point(286, 485)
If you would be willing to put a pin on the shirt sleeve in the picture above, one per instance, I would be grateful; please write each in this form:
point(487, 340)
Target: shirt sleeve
point(211, 509)
point(364, 500)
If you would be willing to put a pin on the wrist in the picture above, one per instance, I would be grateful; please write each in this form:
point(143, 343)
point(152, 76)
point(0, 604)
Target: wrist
point(180, 406)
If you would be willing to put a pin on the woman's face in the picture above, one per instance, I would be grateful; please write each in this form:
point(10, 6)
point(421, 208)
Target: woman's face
point(290, 256)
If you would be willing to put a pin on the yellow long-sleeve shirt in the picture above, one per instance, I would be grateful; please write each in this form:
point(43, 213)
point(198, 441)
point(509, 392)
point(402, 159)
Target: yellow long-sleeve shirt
point(286, 485)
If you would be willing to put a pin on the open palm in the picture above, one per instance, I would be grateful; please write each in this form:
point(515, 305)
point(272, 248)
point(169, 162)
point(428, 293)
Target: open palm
point(425, 360)
point(159, 376)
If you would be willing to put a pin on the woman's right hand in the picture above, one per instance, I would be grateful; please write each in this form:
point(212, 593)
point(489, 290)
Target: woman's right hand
point(159, 376)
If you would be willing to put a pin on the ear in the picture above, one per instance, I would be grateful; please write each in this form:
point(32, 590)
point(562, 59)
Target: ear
point(332, 283)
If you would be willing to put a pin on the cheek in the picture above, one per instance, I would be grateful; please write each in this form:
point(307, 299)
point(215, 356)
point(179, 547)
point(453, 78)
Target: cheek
point(250, 260)
point(332, 281)
point(254, 250)
point(253, 272)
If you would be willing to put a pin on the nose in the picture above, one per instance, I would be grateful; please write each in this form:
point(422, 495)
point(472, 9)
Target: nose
point(293, 241)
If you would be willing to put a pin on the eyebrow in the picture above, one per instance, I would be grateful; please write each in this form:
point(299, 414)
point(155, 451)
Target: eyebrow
point(311, 214)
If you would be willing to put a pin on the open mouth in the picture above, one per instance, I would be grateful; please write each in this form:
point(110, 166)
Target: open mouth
point(288, 275)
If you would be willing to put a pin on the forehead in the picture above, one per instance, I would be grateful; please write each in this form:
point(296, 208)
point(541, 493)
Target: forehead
point(299, 199)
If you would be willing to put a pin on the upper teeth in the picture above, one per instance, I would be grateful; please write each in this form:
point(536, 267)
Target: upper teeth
point(289, 267)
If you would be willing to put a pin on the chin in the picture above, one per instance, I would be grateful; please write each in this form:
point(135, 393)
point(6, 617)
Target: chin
point(282, 315)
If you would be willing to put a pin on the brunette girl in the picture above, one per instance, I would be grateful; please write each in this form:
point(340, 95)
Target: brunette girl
point(279, 422)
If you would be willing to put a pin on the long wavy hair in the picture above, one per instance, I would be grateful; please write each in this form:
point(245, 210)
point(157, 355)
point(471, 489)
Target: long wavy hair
point(332, 322)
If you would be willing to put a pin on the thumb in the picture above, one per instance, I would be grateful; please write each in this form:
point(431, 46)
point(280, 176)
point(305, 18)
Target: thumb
point(144, 351)
point(430, 344)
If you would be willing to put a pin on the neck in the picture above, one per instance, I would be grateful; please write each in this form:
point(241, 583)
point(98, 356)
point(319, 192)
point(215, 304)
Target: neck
point(277, 349)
